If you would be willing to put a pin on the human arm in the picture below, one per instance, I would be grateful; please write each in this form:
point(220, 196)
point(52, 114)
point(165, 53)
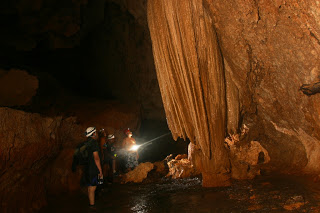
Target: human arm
point(97, 162)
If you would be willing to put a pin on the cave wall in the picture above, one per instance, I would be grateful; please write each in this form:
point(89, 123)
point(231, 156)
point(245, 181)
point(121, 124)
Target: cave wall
point(269, 50)
point(36, 151)
point(28, 142)
point(272, 48)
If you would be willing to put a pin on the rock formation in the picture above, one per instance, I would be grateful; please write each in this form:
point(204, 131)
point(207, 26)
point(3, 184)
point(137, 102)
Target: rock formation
point(270, 49)
point(28, 143)
point(246, 158)
point(192, 81)
point(139, 173)
point(181, 168)
point(223, 64)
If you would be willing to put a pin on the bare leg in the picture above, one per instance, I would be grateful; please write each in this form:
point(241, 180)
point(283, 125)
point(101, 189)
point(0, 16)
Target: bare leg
point(105, 170)
point(113, 166)
point(91, 190)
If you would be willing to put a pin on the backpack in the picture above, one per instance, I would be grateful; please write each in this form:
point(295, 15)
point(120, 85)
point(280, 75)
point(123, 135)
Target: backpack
point(80, 155)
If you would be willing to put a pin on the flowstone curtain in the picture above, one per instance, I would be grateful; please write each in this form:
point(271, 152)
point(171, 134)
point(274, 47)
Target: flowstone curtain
point(190, 74)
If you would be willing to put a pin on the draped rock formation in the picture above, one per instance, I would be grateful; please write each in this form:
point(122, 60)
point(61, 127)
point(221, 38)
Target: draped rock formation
point(192, 80)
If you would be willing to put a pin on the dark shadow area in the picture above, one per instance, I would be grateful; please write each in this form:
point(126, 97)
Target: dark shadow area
point(159, 142)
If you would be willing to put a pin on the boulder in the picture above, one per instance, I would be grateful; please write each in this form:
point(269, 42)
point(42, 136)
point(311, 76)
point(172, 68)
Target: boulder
point(160, 167)
point(138, 174)
point(246, 157)
point(179, 157)
point(181, 169)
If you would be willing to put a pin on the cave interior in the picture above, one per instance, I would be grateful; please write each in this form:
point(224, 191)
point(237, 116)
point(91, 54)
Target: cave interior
point(235, 84)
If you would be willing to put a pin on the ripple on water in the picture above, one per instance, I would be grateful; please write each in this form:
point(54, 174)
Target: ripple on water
point(264, 194)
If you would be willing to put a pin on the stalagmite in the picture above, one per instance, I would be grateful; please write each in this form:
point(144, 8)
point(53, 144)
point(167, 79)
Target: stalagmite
point(192, 81)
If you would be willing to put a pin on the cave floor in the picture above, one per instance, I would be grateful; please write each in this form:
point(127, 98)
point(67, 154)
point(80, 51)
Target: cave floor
point(263, 194)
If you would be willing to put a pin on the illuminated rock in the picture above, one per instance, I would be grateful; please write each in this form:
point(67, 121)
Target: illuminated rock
point(139, 173)
point(246, 158)
point(160, 167)
point(181, 168)
point(192, 82)
point(179, 157)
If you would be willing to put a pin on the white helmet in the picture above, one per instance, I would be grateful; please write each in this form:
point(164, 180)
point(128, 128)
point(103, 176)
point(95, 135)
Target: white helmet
point(110, 136)
point(90, 131)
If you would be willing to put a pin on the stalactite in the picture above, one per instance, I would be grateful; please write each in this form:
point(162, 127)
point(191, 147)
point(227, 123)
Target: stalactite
point(233, 103)
point(191, 78)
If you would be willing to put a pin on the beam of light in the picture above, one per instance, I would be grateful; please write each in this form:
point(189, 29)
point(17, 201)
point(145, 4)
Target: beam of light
point(149, 142)
point(135, 147)
point(157, 138)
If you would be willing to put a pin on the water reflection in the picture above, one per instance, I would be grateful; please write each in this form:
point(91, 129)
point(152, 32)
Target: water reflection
point(264, 194)
point(140, 204)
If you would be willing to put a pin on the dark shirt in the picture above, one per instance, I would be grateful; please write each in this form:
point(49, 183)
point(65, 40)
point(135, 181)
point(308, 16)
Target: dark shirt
point(92, 169)
point(108, 150)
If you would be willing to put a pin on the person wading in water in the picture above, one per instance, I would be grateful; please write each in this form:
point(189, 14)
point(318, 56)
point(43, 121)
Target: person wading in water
point(92, 171)
point(131, 157)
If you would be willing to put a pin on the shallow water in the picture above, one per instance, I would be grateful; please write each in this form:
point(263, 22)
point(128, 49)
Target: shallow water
point(263, 194)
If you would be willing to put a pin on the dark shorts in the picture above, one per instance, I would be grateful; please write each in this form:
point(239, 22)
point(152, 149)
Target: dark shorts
point(93, 182)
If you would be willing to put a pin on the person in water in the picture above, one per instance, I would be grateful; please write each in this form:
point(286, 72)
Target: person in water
point(131, 156)
point(92, 171)
point(110, 155)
